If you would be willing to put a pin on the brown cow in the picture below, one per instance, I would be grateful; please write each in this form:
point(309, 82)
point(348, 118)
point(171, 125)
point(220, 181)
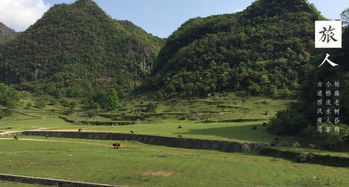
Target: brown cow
point(116, 145)
point(15, 138)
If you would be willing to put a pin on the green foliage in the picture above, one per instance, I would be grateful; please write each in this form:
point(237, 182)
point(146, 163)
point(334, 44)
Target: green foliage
point(325, 140)
point(40, 103)
point(8, 96)
point(72, 105)
point(288, 122)
point(75, 49)
point(110, 101)
point(254, 50)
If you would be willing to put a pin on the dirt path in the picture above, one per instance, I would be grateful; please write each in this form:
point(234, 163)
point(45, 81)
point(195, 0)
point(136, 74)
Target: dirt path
point(57, 141)
point(9, 133)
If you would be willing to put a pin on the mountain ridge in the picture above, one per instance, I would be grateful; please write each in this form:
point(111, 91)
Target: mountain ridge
point(78, 47)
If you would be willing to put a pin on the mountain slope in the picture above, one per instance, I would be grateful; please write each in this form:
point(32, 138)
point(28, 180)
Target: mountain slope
point(258, 50)
point(78, 47)
point(6, 34)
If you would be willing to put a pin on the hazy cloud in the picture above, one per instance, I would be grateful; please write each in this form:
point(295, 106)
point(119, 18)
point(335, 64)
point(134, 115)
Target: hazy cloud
point(20, 14)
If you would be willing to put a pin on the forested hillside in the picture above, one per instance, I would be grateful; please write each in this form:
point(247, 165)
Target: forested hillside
point(6, 34)
point(77, 48)
point(259, 50)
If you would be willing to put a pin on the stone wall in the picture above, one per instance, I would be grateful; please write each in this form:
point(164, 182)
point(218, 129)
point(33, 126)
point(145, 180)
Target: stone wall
point(224, 146)
point(48, 182)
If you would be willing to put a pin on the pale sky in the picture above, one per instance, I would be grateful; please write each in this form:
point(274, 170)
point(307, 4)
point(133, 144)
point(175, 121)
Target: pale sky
point(159, 17)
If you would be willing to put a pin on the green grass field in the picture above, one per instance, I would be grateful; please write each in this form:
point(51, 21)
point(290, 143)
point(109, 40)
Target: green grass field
point(192, 115)
point(138, 164)
point(219, 117)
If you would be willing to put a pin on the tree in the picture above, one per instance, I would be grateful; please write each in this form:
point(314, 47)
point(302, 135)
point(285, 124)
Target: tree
point(345, 17)
point(110, 101)
point(8, 96)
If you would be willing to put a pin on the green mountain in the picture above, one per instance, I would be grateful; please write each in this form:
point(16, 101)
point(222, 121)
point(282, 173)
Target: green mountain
point(259, 50)
point(6, 34)
point(76, 48)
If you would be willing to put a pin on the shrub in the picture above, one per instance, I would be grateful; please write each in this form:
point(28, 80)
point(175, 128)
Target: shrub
point(288, 122)
point(331, 140)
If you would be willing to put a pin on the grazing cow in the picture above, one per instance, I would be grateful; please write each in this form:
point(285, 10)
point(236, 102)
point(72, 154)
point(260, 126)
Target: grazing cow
point(266, 113)
point(179, 135)
point(116, 145)
point(132, 132)
point(179, 126)
point(46, 136)
point(79, 130)
point(15, 138)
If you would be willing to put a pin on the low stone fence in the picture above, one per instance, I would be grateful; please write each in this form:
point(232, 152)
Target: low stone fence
point(224, 146)
point(48, 182)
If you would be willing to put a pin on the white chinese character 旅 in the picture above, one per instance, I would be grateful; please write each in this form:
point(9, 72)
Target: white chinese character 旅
point(329, 61)
point(328, 34)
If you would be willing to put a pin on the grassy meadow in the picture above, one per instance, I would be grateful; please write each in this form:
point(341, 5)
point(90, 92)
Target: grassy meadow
point(137, 164)
point(219, 117)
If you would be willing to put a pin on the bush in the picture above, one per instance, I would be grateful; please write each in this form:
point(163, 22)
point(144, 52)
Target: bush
point(331, 141)
point(8, 96)
point(289, 122)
